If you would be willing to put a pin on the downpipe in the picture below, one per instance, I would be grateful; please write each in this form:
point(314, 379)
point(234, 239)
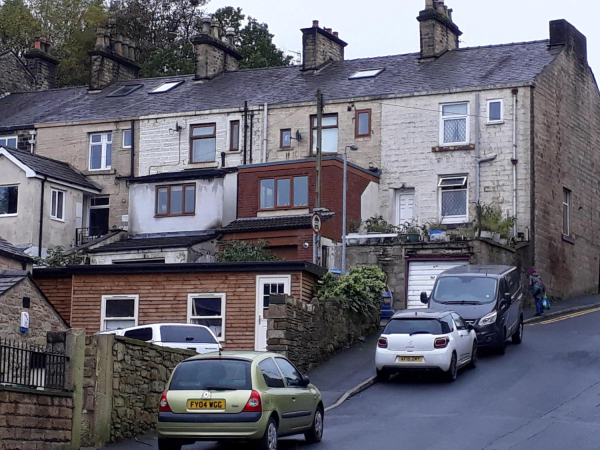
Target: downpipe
point(514, 160)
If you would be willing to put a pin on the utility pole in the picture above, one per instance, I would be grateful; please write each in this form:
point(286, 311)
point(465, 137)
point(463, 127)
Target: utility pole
point(317, 236)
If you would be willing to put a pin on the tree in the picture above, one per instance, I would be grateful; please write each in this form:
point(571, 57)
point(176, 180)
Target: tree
point(59, 257)
point(240, 251)
point(230, 17)
point(18, 27)
point(258, 49)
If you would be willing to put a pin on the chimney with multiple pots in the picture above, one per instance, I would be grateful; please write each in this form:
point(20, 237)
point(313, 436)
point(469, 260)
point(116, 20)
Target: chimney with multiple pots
point(438, 32)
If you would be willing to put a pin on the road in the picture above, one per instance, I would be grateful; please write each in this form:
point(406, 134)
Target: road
point(543, 394)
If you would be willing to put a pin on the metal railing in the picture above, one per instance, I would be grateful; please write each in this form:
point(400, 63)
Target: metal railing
point(85, 235)
point(31, 366)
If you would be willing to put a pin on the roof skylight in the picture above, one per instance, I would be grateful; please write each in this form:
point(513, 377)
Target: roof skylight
point(125, 90)
point(367, 73)
point(165, 87)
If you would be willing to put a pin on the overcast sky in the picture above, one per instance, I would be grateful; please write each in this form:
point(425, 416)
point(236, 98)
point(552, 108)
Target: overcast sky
point(388, 27)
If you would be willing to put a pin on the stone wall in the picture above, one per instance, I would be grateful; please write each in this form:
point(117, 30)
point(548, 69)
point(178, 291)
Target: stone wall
point(309, 334)
point(14, 76)
point(32, 420)
point(320, 47)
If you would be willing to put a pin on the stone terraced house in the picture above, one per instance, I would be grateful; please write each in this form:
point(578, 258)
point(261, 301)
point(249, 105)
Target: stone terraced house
point(513, 125)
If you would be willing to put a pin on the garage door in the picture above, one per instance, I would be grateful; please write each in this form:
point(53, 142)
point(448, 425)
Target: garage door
point(421, 277)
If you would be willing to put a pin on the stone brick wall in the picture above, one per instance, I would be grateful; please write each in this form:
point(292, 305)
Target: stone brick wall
point(10, 264)
point(31, 420)
point(43, 67)
point(14, 77)
point(565, 146)
point(309, 334)
point(318, 48)
point(106, 70)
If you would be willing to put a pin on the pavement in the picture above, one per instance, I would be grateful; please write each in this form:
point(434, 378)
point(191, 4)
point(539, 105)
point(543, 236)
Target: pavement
point(564, 306)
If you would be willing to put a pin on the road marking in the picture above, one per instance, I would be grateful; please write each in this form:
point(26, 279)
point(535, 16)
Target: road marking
point(568, 316)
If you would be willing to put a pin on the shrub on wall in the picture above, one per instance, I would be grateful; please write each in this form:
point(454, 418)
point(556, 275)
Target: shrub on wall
point(59, 257)
point(360, 289)
point(239, 251)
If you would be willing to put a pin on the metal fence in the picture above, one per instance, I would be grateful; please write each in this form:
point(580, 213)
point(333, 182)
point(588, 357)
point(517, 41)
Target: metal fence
point(85, 235)
point(31, 366)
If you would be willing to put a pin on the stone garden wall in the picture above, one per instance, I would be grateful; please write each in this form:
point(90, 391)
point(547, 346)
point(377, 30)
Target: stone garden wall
point(310, 333)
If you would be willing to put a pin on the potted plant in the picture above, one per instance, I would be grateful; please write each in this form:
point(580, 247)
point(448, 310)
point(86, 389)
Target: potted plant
point(489, 218)
point(378, 225)
point(504, 228)
point(437, 232)
point(413, 233)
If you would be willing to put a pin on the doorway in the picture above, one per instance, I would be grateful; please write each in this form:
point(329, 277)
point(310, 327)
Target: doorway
point(265, 286)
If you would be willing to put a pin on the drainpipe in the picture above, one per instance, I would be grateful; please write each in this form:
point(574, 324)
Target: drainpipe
point(245, 130)
point(251, 134)
point(265, 124)
point(478, 160)
point(41, 218)
point(515, 160)
point(131, 172)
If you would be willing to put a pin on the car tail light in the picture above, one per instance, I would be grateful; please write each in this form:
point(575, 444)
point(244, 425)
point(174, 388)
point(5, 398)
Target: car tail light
point(163, 405)
point(254, 404)
point(382, 343)
point(441, 342)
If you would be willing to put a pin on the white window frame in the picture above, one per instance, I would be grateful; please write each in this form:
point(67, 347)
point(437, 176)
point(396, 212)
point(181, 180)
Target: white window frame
point(8, 186)
point(53, 213)
point(495, 100)
point(567, 203)
point(454, 117)
point(15, 137)
point(453, 219)
point(123, 133)
point(104, 142)
point(103, 318)
point(223, 315)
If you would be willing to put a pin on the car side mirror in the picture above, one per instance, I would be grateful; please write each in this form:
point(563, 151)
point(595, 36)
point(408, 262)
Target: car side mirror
point(424, 298)
point(305, 381)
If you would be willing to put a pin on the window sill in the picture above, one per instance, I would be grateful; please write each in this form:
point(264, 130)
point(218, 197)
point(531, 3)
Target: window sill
point(173, 215)
point(57, 220)
point(568, 239)
point(91, 172)
point(362, 136)
point(452, 148)
point(8, 215)
point(496, 122)
point(285, 149)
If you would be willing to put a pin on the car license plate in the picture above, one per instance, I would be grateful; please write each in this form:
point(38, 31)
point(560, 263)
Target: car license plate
point(409, 359)
point(206, 404)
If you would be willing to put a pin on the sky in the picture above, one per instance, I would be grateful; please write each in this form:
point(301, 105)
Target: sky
point(389, 27)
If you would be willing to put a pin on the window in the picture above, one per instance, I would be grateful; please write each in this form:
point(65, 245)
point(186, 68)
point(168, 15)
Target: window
point(290, 373)
point(495, 111)
point(271, 373)
point(234, 135)
point(367, 73)
point(453, 199)
point(329, 124)
point(140, 334)
point(176, 200)
point(411, 326)
point(454, 126)
point(208, 310)
point(58, 205)
point(9, 196)
point(566, 212)
point(460, 324)
point(165, 87)
point(125, 90)
point(119, 312)
point(206, 374)
point(9, 141)
point(284, 193)
point(100, 151)
point(363, 123)
point(203, 143)
point(98, 215)
point(127, 139)
point(285, 138)
point(186, 334)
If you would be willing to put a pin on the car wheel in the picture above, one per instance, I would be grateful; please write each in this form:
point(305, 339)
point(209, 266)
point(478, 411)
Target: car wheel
point(452, 372)
point(383, 376)
point(474, 357)
point(315, 434)
point(269, 439)
point(169, 444)
point(502, 346)
point(517, 337)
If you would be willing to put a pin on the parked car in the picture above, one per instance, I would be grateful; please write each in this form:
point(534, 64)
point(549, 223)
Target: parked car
point(254, 396)
point(488, 297)
point(173, 335)
point(425, 340)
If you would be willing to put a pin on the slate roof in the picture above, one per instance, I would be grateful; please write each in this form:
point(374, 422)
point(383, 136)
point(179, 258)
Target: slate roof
point(10, 251)
point(137, 243)
point(52, 168)
point(404, 74)
point(10, 278)
point(271, 223)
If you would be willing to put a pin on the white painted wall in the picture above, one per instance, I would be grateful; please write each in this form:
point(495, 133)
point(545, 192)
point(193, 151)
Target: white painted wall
point(369, 204)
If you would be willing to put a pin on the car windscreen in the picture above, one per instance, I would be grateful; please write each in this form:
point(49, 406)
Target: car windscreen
point(464, 290)
point(416, 326)
point(212, 374)
point(188, 335)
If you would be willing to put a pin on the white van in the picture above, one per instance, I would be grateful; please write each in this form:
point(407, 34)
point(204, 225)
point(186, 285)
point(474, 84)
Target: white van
point(175, 335)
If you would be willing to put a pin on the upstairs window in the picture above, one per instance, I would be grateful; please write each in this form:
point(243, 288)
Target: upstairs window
point(453, 199)
point(57, 210)
point(363, 123)
point(100, 151)
point(285, 138)
point(329, 124)
point(9, 196)
point(495, 111)
point(9, 141)
point(566, 212)
point(454, 124)
point(234, 135)
point(284, 193)
point(127, 139)
point(176, 200)
point(203, 143)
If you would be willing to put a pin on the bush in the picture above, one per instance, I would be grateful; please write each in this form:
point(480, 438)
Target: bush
point(239, 251)
point(359, 290)
point(59, 257)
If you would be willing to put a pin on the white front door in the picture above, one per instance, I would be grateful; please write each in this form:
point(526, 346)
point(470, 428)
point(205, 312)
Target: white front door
point(405, 205)
point(421, 278)
point(265, 286)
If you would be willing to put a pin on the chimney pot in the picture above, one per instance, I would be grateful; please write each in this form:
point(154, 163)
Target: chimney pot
point(230, 32)
point(315, 24)
point(328, 30)
point(336, 34)
point(429, 4)
point(37, 44)
point(438, 33)
point(214, 28)
point(119, 45)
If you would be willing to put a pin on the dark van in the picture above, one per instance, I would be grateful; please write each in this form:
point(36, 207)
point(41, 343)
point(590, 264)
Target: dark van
point(489, 298)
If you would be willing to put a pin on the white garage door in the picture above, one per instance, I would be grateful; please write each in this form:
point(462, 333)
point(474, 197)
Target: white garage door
point(421, 278)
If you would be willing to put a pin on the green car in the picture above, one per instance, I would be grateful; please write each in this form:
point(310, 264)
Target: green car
point(254, 396)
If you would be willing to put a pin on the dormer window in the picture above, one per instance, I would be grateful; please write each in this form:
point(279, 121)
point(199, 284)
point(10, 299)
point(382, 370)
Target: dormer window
point(367, 73)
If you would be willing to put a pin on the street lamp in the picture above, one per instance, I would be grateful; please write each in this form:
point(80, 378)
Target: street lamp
point(353, 148)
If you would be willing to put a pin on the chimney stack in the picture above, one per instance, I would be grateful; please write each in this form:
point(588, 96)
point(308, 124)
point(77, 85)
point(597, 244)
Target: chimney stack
point(320, 46)
point(113, 58)
point(438, 32)
point(213, 55)
point(41, 65)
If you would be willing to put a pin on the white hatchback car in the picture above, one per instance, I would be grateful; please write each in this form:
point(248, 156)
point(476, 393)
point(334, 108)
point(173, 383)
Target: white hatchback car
point(174, 335)
point(425, 340)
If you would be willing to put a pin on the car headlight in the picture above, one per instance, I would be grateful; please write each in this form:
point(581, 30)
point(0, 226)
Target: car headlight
point(488, 319)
